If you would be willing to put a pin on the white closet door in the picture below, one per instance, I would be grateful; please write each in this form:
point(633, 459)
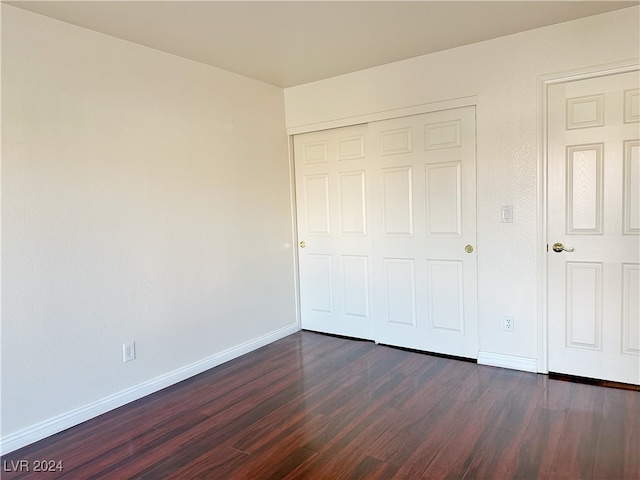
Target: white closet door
point(425, 274)
point(386, 214)
point(333, 228)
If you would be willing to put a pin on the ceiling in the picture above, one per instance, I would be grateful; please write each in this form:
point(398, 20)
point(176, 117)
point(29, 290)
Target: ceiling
point(288, 43)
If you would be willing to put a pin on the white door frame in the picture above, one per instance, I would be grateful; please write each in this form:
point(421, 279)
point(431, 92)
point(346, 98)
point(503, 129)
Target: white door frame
point(541, 255)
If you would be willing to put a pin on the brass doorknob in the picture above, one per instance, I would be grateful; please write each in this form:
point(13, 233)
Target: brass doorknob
point(302, 244)
point(468, 249)
point(558, 247)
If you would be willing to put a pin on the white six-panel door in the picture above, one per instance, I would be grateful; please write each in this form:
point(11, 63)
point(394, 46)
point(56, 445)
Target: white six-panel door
point(385, 212)
point(333, 228)
point(425, 281)
point(594, 212)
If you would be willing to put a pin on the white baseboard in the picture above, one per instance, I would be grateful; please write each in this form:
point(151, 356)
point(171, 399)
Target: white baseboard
point(508, 361)
point(54, 425)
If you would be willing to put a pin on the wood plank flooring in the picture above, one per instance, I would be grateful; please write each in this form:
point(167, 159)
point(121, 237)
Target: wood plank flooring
point(312, 406)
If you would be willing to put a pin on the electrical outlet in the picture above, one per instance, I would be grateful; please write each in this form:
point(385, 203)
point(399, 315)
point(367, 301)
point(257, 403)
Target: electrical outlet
point(508, 323)
point(129, 351)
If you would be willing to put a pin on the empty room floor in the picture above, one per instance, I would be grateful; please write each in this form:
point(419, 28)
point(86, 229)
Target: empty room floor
point(320, 407)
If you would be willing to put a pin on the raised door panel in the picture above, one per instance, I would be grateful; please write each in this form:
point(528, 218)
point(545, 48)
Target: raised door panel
point(316, 192)
point(632, 187)
point(399, 291)
point(632, 106)
point(584, 305)
point(355, 270)
point(395, 142)
point(631, 309)
point(397, 201)
point(585, 112)
point(351, 148)
point(352, 203)
point(446, 295)
point(584, 189)
point(320, 283)
point(444, 199)
point(442, 135)
point(315, 152)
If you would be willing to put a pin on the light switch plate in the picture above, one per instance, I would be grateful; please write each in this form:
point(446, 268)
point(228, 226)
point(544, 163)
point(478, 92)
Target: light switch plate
point(506, 213)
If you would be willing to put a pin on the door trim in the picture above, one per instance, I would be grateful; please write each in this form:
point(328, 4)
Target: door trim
point(450, 104)
point(543, 83)
point(293, 208)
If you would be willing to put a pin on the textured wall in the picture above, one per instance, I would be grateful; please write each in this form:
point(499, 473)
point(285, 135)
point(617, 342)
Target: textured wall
point(144, 197)
point(503, 74)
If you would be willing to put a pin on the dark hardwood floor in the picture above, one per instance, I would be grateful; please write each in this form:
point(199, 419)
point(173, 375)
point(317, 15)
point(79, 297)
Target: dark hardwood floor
point(319, 407)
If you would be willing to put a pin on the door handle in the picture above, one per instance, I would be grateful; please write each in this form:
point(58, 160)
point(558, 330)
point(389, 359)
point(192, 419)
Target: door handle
point(558, 247)
point(302, 244)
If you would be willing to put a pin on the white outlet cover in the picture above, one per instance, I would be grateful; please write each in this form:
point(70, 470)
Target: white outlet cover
point(129, 351)
point(508, 323)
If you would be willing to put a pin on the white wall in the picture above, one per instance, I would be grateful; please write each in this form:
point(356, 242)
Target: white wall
point(144, 197)
point(503, 74)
